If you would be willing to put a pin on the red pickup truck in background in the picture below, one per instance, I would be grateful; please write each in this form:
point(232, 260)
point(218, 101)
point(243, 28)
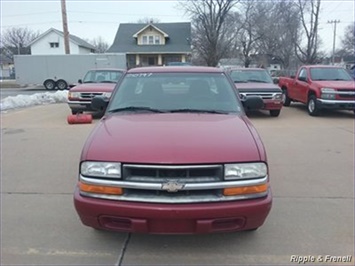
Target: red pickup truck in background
point(96, 82)
point(320, 87)
point(258, 82)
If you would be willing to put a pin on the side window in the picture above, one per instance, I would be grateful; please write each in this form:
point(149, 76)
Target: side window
point(303, 75)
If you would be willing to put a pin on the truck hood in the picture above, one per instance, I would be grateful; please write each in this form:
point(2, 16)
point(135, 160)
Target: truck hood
point(336, 84)
point(173, 139)
point(94, 87)
point(256, 86)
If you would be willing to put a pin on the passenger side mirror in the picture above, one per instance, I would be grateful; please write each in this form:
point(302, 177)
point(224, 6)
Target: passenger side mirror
point(253, 103)
point(99, 103)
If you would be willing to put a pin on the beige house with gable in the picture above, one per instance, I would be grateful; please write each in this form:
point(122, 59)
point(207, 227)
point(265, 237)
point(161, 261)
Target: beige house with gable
point(153, 44)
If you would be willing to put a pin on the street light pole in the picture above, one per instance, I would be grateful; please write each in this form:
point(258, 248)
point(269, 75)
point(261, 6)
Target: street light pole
point(334, 36)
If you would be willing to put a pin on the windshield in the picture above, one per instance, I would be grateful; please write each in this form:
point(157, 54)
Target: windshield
point(175, 92)
point(102, 76)
point(329, 73)
point(250, 75)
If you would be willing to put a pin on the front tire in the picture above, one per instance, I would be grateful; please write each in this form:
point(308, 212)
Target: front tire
point(74, 112)
point(275, 113)
point(312, 106)
point(287, 100)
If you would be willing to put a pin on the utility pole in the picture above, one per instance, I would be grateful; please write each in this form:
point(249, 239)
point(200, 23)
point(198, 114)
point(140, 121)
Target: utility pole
point(65, 27)
point(334, 36)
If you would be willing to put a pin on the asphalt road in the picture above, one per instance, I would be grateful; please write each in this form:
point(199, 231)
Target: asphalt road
point(312, 176)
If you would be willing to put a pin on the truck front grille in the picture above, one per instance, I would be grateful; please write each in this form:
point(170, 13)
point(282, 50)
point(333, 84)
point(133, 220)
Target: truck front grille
point(346, 94)
point(160, 173)
point(263, 95)
point(89, 95)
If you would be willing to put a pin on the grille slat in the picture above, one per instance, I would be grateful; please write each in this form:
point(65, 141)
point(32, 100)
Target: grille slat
point(186, 174)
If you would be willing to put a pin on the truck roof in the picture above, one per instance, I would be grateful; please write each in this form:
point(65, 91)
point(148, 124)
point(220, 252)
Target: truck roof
point(247, 68)
point(182, 69)
point(107, 69)
point(321, 66)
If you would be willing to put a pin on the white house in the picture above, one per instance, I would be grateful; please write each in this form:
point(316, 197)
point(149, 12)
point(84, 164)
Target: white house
point(52, 42)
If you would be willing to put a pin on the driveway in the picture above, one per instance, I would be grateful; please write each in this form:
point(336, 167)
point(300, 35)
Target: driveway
point(312, 176)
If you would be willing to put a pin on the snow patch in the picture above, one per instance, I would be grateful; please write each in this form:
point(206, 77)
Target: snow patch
point(20, 101)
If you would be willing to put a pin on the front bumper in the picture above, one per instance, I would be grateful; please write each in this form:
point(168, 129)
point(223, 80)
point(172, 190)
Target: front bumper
point(272, 104)
point(80, 105)
point(157, 218)
point(336, 104)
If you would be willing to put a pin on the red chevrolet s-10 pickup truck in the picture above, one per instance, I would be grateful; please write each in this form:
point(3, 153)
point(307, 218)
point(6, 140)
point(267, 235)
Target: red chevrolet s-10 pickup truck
point(320, 87)
point(174, 154)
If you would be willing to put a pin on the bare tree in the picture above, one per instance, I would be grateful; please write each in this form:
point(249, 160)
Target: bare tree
point(212, 33)
point(278, 29)
point(252, 31)
point(16, 40)
point(100, 45)
point(307, 51)
point(348, 40)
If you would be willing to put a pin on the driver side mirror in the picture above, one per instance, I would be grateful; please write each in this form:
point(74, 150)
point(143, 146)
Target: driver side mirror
point(80, 81)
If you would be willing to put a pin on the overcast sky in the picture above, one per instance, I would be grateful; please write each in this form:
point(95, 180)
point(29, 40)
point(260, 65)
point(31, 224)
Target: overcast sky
point(91, 19)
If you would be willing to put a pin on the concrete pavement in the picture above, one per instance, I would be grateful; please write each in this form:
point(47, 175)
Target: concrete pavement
point(312, 177)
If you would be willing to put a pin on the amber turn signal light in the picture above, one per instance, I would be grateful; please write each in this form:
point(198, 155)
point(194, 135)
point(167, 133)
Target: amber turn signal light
point(100, 189)
point(245, 190)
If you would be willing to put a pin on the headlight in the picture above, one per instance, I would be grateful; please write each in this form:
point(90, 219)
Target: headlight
point(73, 94)
point(107, 94)
point(278, 96)
point(244, 171)
point(328, 93)
point(101, 169)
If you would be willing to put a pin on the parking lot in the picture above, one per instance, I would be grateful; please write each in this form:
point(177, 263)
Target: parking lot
point(311, 163)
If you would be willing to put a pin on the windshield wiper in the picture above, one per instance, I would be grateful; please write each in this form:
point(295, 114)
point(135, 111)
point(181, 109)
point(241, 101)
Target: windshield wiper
point(136, 108)
point(107, 81)
point(187, 110)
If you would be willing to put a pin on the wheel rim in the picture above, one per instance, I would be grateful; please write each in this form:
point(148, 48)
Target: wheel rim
point(311, 105)
point(49, 85)
point(61, 85)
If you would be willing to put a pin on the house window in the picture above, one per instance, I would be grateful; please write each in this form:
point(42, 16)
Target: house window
point(151, 39)
point(54, 44)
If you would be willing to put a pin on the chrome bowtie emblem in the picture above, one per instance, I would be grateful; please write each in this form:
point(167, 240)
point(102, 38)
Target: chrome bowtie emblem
point(172, 186)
